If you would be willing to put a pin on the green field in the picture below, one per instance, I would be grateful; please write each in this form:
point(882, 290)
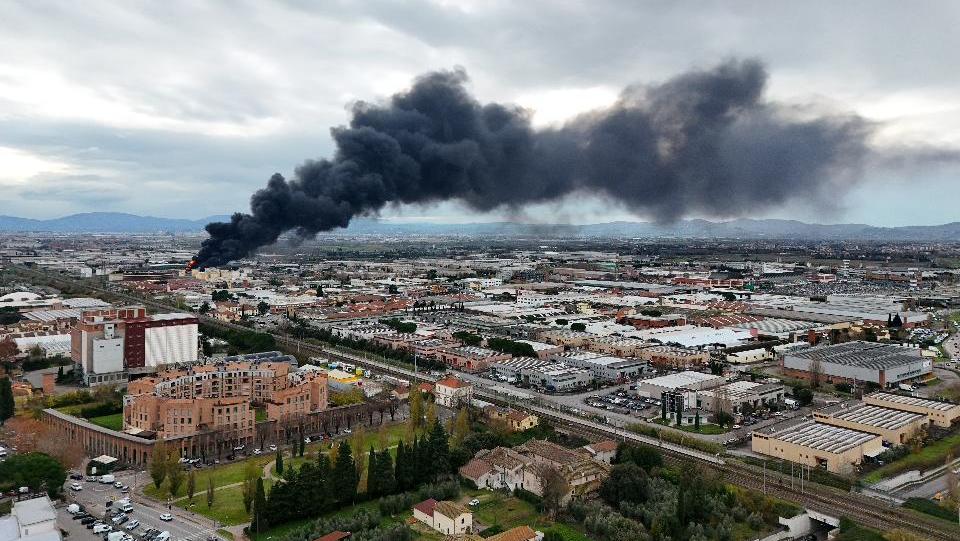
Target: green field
point(226, 474)
point(113, 422)
point(930, 456)
point(227, 505)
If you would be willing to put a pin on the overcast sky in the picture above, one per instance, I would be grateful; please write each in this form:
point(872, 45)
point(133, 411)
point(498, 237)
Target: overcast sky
point(182, 109)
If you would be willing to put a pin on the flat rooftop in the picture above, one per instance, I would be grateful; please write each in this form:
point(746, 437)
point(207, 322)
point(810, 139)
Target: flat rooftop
point(819, 436)
point(681, 379)
point(876, 416)
point(861, 354)
point(914, 401)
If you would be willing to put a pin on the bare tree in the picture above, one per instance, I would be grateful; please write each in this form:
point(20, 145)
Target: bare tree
point(816, 372)
point(554, 489)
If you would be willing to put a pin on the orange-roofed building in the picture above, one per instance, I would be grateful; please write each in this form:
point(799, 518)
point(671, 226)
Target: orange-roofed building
point(452, 392)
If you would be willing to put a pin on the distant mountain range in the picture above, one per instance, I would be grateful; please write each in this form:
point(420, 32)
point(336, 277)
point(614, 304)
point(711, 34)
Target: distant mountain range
point(115, 222)
point(105, 222)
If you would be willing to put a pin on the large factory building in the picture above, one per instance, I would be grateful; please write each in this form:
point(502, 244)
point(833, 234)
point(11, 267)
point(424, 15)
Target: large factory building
point(109, 344)
point(882, 364)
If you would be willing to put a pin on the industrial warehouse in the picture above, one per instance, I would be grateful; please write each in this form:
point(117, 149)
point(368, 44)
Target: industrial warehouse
point(858, 361)
point(819, 445)
point(892, 419)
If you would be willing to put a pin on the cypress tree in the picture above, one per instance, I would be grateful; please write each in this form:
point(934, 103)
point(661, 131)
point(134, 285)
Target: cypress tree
point(279, 465)
point(439, 450)
point(7, 406)
point(345, 475)
point(373, 474)
point(399, 469)
point(259, 522)
point(387, 483)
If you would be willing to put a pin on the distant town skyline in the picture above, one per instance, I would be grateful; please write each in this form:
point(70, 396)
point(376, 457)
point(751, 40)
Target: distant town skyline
point(183, 112)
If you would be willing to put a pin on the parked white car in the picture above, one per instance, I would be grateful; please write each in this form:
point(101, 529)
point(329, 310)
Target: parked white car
point(166, 517)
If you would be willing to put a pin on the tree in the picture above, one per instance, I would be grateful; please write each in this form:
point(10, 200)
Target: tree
point(263, 308)
point(642, 455)
point(578, 327)
point(816, 371)
point(204, 308)
point(431, 416)
point(626, 483)
point(439, 450)
point(345, 475)
point(8, 349)
point(34, 470)
point(249, 487)
point(554, 489)
point(175, 473)
point(210, 494)
point(278, 467)
point(158, 464)
point(416, 409)
point(460, 428)
point(191, 484)
point(221, 295)
point(7, 405)
point(259, 521)
point(303, 444)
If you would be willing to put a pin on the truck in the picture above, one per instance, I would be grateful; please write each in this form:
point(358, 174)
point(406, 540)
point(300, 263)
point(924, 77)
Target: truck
point(906, 387)
point(108, 479)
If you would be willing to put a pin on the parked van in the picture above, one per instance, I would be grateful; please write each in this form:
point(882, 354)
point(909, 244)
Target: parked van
point(73, 509)
point(162, 536)
point(108, 479)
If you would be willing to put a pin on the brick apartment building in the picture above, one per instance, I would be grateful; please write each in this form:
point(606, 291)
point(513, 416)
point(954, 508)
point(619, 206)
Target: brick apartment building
point(219, 399)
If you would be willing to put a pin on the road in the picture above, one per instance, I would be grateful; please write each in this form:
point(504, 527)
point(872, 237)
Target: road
point(184, 526)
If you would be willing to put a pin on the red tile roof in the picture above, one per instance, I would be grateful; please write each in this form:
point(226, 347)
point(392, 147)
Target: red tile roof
point(453, 382)
point(426, 507)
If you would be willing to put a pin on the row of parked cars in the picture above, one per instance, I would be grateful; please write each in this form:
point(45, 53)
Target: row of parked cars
point(621, 402)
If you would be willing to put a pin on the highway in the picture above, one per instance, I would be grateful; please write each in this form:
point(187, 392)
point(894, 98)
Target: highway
point(830, 501)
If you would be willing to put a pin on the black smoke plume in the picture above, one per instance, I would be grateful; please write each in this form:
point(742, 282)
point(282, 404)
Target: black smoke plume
point(704, 142)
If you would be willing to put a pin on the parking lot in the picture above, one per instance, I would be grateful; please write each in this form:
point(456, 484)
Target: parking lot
point(94, 496)
point(624, 403)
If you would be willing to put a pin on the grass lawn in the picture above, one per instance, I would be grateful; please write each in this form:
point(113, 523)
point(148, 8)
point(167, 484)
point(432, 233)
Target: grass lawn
point(113, 422)
point(509, 512)
point(227, 505)
point(931, 456)
point(225, 474)
point(705, 428)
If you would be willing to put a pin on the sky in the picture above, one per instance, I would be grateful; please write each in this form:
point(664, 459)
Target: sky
point(183, 109)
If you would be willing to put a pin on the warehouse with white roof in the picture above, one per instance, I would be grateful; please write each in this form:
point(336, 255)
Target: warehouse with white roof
point(819, 445)
point(896, 427)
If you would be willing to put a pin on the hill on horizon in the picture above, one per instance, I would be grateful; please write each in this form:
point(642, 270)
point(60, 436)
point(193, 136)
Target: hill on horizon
point(119, 222)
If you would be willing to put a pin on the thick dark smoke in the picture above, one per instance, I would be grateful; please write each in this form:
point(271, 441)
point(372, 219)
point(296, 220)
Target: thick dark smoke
point(705, 142)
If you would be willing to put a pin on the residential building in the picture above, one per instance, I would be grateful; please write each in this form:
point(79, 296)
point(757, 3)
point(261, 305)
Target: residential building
point(472, 359)
point(670, 357)
point(452, 392)
point(512, 419)
point(220, 397)
point(448, 518)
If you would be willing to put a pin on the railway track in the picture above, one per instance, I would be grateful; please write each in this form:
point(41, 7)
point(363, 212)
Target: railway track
point(817, 497)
